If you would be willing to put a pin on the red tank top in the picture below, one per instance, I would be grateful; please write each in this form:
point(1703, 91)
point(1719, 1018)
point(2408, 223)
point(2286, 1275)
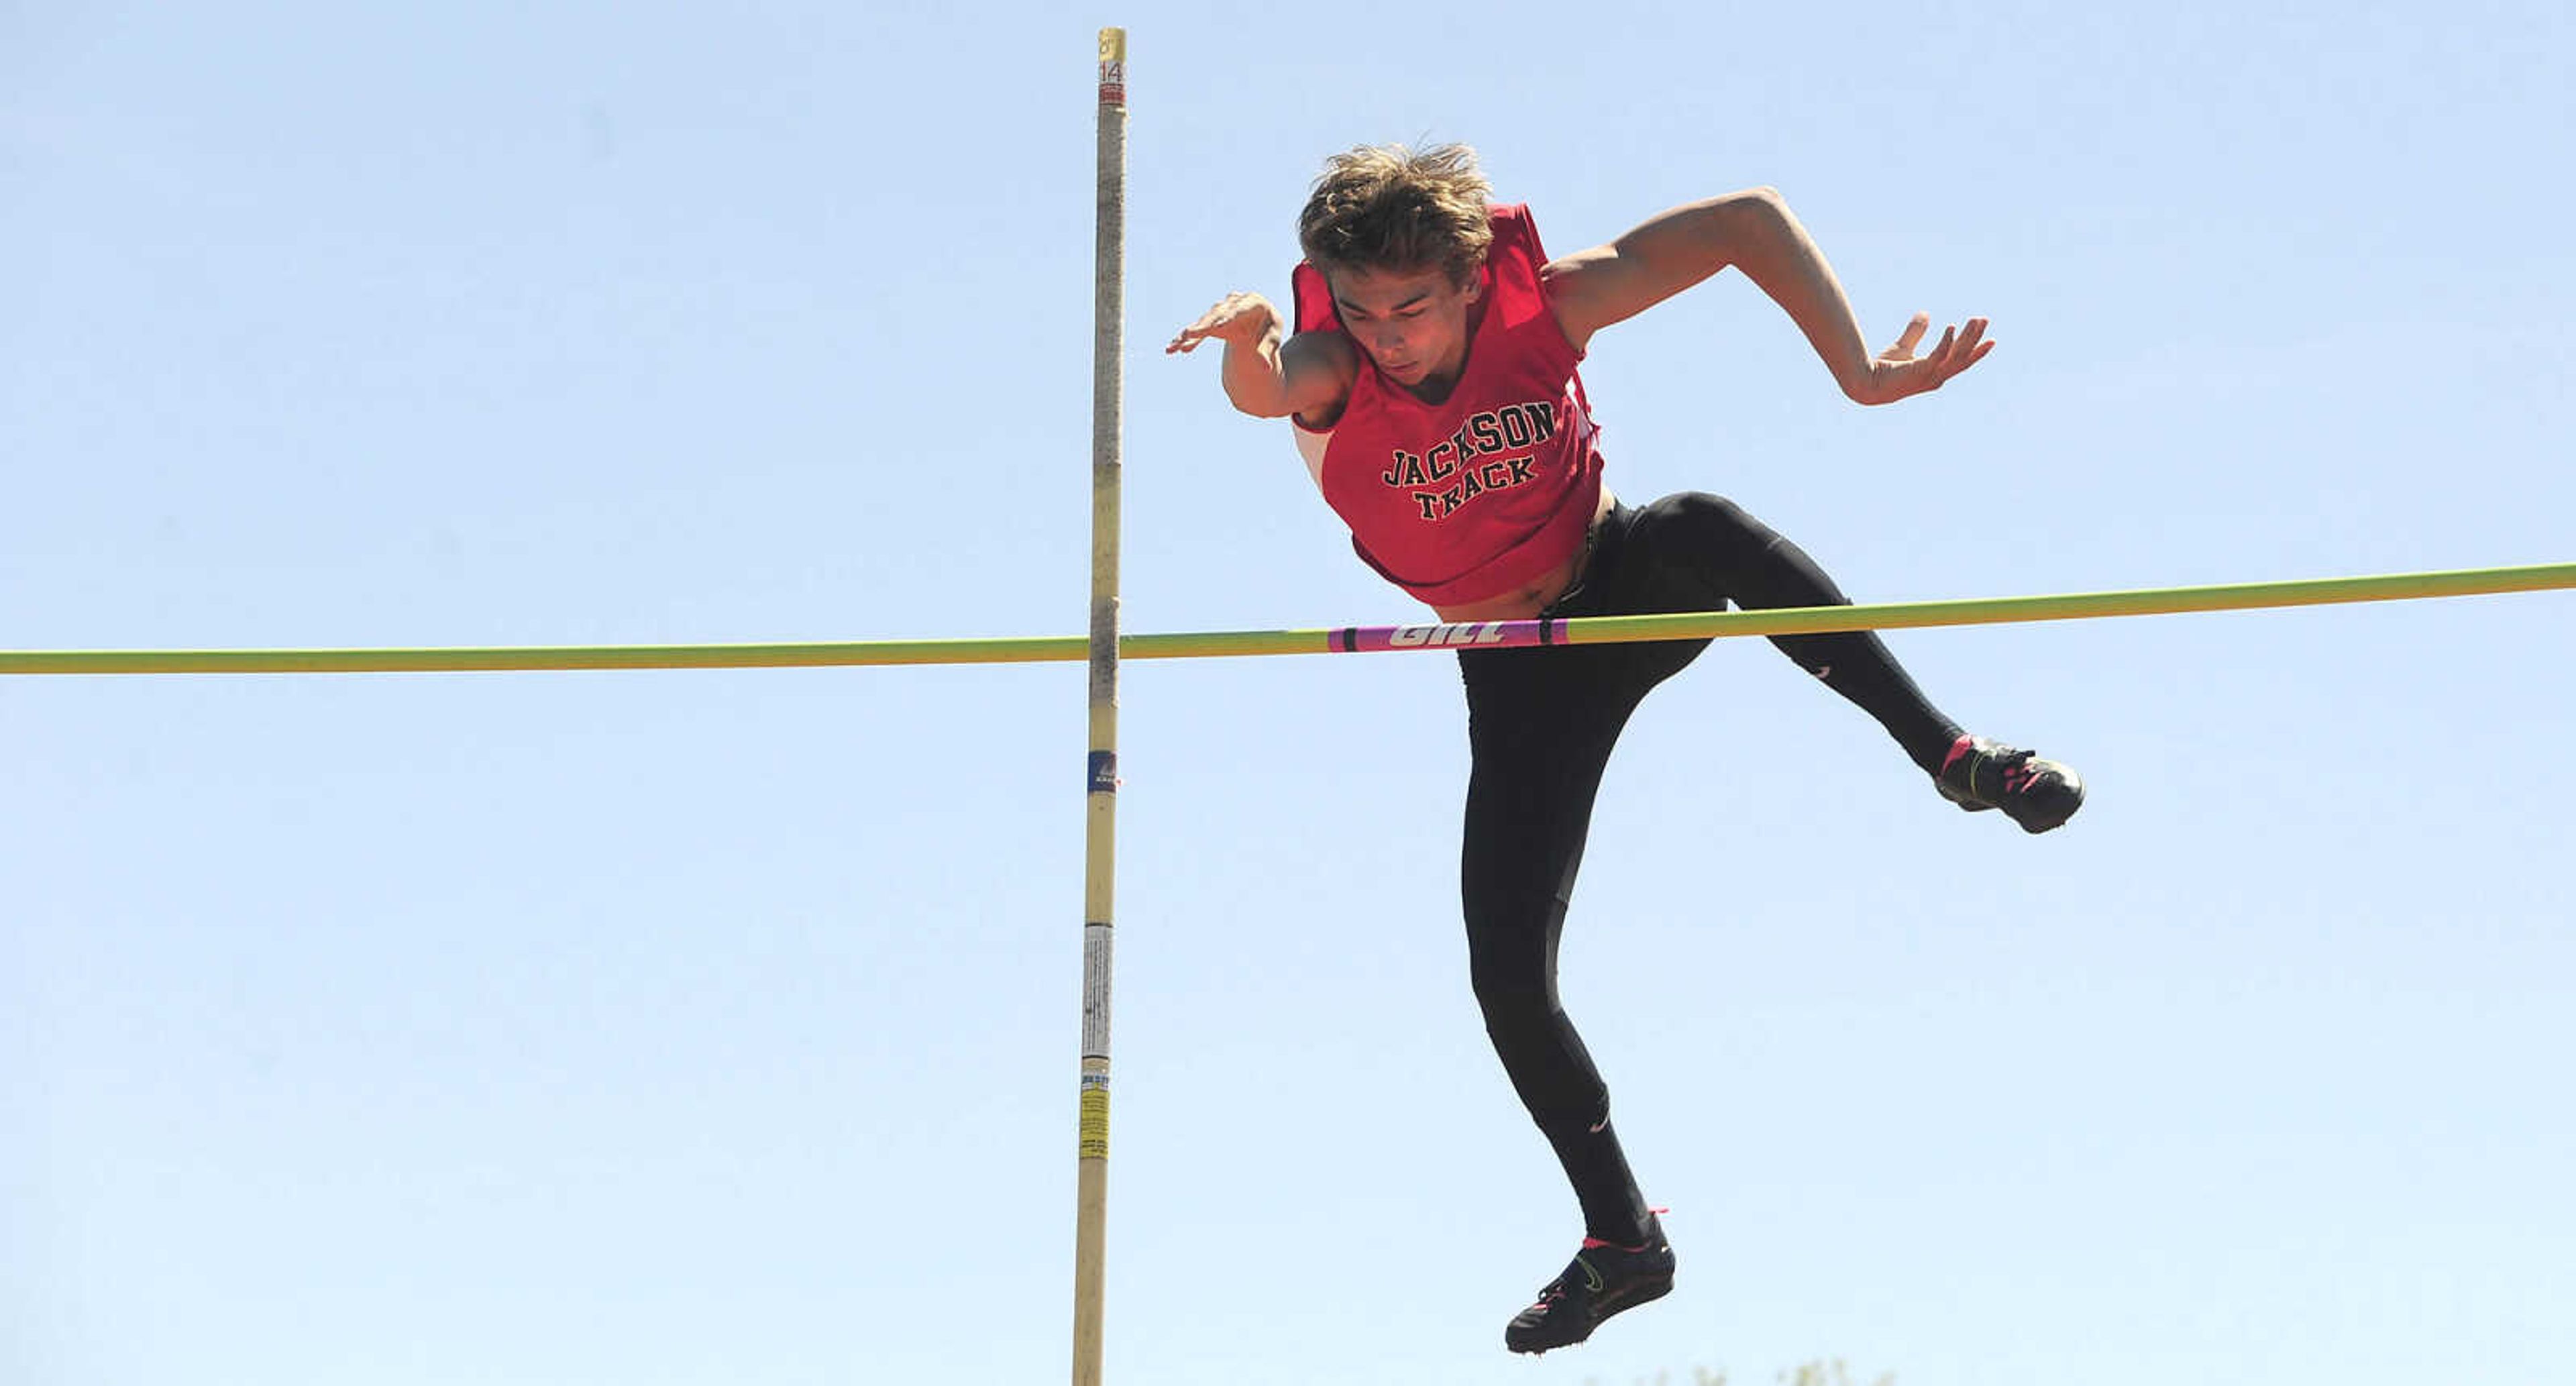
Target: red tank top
point(1467, 499)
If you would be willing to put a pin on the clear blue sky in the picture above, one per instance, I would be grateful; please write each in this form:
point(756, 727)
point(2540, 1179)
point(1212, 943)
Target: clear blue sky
point(722, 1027)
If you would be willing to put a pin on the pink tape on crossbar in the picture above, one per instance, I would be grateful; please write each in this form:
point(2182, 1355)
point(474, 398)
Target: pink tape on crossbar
point(1462, 635)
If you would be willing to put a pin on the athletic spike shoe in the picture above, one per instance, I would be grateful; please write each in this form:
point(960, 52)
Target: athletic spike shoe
point(1603, 1280)
point(2038, 794)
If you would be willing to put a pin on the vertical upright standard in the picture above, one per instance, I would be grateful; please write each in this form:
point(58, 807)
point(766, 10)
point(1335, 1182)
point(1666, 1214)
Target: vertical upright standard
point(1091, 1199)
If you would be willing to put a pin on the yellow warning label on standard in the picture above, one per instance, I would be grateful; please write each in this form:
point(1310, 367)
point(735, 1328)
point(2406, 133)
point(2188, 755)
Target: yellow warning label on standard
point(1095, 1124)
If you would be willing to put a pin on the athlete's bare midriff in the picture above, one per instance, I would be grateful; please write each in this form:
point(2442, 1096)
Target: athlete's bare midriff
point(1528, 600)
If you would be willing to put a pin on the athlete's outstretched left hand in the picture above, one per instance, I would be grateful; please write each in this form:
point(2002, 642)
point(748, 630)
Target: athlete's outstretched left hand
point(1897, 372)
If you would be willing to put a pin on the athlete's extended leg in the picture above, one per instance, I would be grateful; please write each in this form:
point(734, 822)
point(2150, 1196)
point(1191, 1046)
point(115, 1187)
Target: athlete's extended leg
point(1541, 725)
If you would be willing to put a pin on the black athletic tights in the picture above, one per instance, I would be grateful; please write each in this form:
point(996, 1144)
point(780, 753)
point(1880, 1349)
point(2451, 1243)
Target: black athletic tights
point(1540, 725)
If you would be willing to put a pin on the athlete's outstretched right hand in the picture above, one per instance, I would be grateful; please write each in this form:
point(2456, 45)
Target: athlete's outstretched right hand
point(1238, 319)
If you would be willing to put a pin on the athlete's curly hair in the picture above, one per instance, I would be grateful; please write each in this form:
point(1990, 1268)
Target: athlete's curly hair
point(1387, 207)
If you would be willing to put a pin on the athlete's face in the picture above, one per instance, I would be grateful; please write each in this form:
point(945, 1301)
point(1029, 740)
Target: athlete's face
point(1412, 323)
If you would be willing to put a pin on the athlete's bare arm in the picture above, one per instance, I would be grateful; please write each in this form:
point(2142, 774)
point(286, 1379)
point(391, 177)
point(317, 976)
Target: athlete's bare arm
point(1756, 232)
point(1308, 375)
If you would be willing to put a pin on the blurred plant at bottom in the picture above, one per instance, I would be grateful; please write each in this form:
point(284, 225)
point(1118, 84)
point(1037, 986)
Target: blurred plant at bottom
point(1820, 1373)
